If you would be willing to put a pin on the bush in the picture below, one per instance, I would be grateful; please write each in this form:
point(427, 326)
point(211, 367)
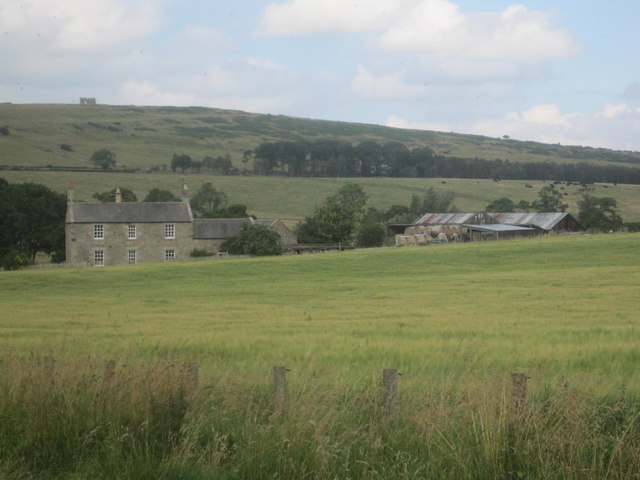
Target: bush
point(253, 240)
point(370, 235)
point(200, 252)
point(14, 259)
point(66, 147)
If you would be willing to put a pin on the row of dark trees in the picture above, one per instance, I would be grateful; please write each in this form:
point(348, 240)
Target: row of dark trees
point(220, 165)
point(335, 158)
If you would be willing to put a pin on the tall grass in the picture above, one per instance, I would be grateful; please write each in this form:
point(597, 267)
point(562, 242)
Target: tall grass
point(455, 320)
point(145, 422)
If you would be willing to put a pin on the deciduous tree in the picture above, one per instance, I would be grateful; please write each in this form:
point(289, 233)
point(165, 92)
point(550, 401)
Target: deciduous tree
point(337, 219)
point(599, 214)
point(501, 205)
point(104, 158)
point(549, 200)
point(253, 240)
point(208, 202)
point(31, 221)
point(160, 195)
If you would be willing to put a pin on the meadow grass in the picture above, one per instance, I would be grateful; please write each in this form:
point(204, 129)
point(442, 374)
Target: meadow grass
point(455, 320)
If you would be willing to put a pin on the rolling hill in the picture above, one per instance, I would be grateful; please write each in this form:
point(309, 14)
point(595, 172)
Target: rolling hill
point(67, 135)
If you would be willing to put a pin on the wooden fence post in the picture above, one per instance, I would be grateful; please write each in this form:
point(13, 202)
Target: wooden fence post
point(518, 390)
point(279, 390)
point(390, 386)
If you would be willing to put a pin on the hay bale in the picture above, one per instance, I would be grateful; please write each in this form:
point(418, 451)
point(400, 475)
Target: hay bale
point(422, 239)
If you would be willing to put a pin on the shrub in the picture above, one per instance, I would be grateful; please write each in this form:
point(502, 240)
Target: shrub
point(200, 252)
point(14, 259)
point(253, 240)
point(370, 235)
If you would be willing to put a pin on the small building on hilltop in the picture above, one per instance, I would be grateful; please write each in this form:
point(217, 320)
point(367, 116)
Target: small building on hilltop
point(136, 232)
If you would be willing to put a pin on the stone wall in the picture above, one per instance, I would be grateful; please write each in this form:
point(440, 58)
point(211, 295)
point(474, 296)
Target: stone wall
point(150, 243)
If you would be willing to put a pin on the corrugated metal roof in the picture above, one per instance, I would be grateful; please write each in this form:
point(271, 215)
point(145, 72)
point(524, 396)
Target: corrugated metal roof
point(129, 212)
point(498, 227)
point(214, 228)
point(545, 221)
point(446, 218)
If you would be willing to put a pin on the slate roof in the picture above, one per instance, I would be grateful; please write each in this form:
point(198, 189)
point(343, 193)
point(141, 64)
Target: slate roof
point(129, 212)
point(210, 228)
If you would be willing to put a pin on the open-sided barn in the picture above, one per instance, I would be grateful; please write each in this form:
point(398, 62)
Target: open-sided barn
point(483, 226)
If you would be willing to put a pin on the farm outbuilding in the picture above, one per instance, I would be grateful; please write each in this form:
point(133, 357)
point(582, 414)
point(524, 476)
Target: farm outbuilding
point(482, 226)
point(552, 222)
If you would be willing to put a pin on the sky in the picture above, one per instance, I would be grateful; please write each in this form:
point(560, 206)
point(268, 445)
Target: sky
point(552, 71)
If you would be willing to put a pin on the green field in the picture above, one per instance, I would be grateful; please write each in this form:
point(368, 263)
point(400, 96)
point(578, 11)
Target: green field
point(291, 199)
point(456, 320)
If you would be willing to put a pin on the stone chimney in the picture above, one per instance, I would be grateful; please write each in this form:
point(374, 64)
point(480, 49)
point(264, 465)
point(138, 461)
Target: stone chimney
point(70, 193)
point(185, 193)
point(118, 196)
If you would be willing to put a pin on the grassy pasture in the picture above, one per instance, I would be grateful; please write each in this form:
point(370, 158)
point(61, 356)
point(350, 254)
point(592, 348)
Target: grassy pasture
point(454, 319)
point(549, 306)
point(291, 199)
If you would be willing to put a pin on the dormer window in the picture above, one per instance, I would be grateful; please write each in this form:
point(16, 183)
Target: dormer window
point(98, 232)
point(169, 231)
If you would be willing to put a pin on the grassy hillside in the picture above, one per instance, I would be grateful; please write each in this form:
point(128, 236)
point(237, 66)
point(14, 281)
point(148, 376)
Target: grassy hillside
point(145, 136)
point(455, 320)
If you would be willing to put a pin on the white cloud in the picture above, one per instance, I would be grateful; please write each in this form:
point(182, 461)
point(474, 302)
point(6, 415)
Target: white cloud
point(439, 27)
point(303, 17)
point(398, 122)
point(546, 123)
point(612, 111)
point(76, 25)
point(548, 114)
point(147, 93)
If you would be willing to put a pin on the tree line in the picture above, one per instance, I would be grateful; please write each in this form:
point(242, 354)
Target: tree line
point(336, 158)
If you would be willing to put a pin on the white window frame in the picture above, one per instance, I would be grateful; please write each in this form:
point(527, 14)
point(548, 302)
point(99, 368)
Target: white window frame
point(170, 231)
point(169, 255)
point(132, 256)
point(98, 258)
point(132, 232)
point(98, 231)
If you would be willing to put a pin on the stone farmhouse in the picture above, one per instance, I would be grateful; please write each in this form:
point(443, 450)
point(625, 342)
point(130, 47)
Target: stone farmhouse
point(482, 226)
point(136, 232)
